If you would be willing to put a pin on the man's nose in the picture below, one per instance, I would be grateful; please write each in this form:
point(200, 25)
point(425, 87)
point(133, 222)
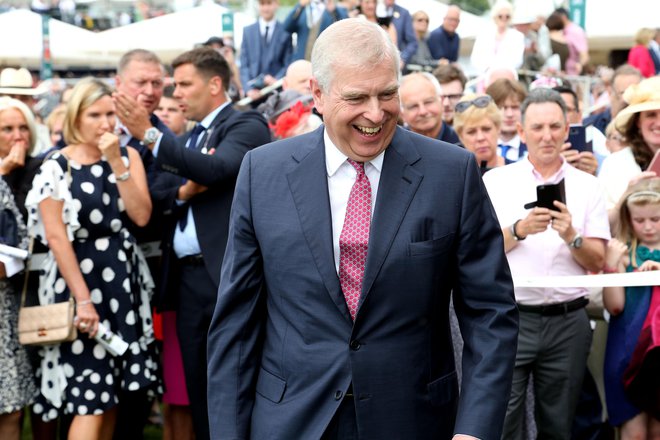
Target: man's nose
point(374, 111)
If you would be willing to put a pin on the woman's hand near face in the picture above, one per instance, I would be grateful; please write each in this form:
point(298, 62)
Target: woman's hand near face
point(15, 158)
point(109, 146)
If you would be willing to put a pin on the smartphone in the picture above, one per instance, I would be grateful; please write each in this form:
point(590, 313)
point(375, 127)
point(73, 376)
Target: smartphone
point(655, 164)
point(577, 136)
point(546, 194)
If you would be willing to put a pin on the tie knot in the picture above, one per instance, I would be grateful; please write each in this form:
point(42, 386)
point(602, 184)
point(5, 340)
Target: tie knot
point(198, 129)
point(359, 166)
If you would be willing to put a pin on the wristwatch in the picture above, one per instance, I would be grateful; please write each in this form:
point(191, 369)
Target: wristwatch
point(577, 242)
point(513, 231)
point(150, 136)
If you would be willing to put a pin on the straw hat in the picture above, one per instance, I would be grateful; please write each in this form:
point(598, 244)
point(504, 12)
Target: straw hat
point(18, 82)
point(640, 97)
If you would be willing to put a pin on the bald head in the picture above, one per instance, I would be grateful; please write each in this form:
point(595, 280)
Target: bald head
point(297, 77)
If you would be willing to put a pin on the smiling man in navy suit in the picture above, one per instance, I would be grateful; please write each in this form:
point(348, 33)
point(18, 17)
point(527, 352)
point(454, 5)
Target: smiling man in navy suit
point(344, 247)
point(265, 51)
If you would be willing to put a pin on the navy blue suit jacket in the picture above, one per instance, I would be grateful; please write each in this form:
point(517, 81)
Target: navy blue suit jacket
point(282, 347)
point(231, 134)
point(257, 58)
point(296, 22)
point(405, 34)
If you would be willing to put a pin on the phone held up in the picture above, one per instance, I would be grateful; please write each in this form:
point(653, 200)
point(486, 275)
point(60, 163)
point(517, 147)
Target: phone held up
point(546, 194)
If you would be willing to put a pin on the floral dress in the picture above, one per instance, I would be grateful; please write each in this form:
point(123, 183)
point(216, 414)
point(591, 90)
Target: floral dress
point(81, 377)
point(17, 387)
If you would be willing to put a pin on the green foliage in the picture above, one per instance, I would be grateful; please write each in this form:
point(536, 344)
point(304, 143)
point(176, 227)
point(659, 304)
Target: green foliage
point(477, 7)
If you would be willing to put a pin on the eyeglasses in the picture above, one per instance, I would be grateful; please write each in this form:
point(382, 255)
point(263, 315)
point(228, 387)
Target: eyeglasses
point(451, 97)
point(480, 102)
point(504, 17)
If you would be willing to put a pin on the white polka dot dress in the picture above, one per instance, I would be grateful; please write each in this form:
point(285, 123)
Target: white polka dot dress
point(81, 377)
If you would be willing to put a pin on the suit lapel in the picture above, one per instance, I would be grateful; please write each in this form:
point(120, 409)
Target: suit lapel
point(398, 184)
point(309, 188)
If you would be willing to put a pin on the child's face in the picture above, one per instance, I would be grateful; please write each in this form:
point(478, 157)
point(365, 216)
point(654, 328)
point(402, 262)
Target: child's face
point(646, 224)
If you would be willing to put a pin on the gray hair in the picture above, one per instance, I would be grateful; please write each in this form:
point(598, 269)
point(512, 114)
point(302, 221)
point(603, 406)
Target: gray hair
point(542, 96)
point(143, 55)
point(354, 43)
point(7, 103)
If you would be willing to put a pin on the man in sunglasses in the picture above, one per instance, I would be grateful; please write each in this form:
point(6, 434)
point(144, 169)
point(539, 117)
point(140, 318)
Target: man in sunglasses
point(444, 42)
point(563, 238)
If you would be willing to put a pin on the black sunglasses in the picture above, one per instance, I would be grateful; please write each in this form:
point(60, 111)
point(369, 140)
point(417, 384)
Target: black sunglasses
point(480, 102)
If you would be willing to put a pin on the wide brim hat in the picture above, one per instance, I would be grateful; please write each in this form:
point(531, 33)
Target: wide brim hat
point(18, 82)
point(640, 97)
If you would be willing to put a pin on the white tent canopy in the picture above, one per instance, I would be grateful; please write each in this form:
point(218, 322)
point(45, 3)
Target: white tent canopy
point(20, 33)
point(171, 34)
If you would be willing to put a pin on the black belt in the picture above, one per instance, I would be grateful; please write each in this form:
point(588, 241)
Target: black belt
point(555, 309)
point(192, 260)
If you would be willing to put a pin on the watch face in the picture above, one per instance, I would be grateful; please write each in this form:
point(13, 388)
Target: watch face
point(577, 243)
point(150, 135)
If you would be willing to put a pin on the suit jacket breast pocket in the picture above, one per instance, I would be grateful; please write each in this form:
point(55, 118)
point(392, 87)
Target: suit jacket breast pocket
point(430, 248)
point(270, 386)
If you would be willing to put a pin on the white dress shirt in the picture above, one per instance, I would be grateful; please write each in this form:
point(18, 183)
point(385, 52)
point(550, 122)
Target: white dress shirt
point(341, 177)
point(262, 28)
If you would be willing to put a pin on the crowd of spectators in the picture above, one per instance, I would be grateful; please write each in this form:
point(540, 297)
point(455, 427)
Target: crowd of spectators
point(154, 159)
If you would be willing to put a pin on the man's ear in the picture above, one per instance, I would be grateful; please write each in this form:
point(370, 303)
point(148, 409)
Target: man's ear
point(317, 94)
point(521, 132)
point(216, 86)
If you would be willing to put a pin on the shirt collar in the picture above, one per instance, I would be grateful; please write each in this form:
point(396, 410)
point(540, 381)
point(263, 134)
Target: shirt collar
point(208, 120)
point(334, 158)
point(514, 142)
point(263, 23)
point(555, 178)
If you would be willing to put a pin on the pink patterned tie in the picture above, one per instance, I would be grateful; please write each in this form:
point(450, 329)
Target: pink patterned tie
point(354, 239)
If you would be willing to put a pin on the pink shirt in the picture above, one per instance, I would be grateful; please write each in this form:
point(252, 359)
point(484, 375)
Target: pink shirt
point(546, 254)
point(577, 43)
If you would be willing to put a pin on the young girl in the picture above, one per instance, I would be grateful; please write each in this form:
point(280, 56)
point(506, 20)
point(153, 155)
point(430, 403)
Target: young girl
point(635, 248)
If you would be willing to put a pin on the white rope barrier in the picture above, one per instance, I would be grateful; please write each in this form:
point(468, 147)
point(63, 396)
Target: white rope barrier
point(650, 278)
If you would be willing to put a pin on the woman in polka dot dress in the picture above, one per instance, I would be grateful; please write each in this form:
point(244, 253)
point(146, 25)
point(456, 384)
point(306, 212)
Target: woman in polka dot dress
point(80, 203)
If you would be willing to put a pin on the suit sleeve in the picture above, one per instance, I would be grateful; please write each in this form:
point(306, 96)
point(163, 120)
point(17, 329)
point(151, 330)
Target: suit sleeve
point(487, 314)
point(244, 132)
point(244, 69)
point(234, 337)
point(287, 54)
point(291, 21)
point(408, 40)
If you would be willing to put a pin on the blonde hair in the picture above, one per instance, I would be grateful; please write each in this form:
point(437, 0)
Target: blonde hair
point(84, 94)
point(474, 114)
point(646, 192)
point(644, 36)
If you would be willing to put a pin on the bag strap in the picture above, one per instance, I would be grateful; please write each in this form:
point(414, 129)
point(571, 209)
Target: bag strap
point(27, 273)
point(31, 244)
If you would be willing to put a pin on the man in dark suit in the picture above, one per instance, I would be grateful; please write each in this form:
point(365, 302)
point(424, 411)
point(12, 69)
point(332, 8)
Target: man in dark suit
point(405, 33)
point(265, 51)
point(199, 191)
point(307, 20)
point(332, 323)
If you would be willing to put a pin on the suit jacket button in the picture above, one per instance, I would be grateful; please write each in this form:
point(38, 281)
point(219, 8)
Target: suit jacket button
point(339, 394)
point(355, 345)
